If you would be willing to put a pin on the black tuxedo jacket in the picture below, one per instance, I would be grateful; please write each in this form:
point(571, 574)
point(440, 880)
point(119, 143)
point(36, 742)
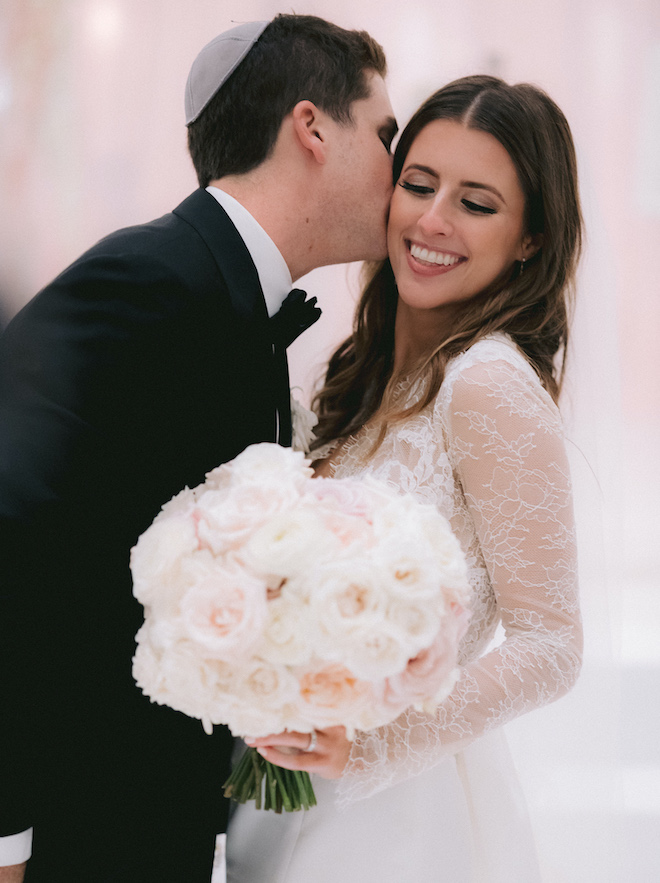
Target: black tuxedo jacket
point(140, 368)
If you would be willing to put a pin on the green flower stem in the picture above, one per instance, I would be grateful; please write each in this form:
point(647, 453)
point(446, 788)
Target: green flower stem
point(308, 798)
point(280, 777)
point(255, 782)
point(270, 786)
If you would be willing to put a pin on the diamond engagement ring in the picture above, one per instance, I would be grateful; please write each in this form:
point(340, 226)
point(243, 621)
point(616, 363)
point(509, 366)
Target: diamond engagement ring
point(312, 742)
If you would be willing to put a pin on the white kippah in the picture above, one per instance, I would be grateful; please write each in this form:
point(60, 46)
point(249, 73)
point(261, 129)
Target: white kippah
point(215, 64)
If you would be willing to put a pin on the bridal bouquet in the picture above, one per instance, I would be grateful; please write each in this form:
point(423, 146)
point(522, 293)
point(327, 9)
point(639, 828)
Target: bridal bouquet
point(277, 601)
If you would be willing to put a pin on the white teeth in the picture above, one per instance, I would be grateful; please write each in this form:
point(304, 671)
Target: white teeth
point(433, 257)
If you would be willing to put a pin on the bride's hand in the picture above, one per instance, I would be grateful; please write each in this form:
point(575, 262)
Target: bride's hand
point(328, 759)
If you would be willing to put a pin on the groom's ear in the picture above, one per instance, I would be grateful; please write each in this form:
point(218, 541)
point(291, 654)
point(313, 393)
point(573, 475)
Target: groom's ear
point(309, 127)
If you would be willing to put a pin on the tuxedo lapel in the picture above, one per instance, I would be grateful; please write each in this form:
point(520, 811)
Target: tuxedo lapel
point(284, 431)
point(203, 212)
point(207, 216)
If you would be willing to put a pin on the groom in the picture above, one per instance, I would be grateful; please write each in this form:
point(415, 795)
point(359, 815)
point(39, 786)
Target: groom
point(149, 361)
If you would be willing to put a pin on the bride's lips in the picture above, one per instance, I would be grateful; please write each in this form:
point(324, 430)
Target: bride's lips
point(427, 261)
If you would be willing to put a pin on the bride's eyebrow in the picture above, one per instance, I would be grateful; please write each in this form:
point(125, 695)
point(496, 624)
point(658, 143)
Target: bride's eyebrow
point(475, 185)
point(420, 168)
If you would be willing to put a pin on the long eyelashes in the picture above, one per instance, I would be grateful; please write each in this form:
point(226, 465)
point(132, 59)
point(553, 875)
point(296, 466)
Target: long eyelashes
point(423, 190)
point(477, 207)
point(415, 188)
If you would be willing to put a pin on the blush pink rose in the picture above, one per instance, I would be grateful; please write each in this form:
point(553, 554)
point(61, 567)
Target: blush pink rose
point(341, 494)
point(330, 696)
point(345, 508)
point(265, 462)
point(429, 676)
point(225, 520)
point(225, 611)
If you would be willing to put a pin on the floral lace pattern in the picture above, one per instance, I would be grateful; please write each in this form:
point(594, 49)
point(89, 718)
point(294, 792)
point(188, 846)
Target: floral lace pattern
point(489, 453)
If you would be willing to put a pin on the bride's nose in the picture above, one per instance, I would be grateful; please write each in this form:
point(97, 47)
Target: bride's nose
point(437, 219)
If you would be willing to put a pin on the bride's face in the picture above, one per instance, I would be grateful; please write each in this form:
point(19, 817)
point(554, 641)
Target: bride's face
point(457, 217)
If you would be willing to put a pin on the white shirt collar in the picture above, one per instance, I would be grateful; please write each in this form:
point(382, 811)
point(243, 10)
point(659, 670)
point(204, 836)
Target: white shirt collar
point(272, 269)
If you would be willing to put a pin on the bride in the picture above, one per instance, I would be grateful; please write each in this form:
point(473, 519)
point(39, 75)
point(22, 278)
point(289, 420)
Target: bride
point(448, 389)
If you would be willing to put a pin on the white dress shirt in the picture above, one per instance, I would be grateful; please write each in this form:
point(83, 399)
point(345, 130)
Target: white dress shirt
point(272, 269)
point(276, 283)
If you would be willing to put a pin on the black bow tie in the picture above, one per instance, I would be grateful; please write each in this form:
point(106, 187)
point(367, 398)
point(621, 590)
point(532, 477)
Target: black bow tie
point(295, 316)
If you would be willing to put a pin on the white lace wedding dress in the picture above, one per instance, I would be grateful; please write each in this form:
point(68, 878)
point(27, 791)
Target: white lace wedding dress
point(434, 797)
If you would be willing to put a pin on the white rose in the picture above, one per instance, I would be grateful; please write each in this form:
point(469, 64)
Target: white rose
point(345, 510)
point(418, 619)
point(264, 699)
point(218, 479)
point(265, 686)
point(227, 519)
point(288, 544)
point(350, 606)
point(181, 504)
point(225, 610)
point(347, 597)
point(412, 569)
point(146, 667)
point(288, 636)
point(270, 462)
point(379, 652)
point(164, 631)
point(446, 550)
point(396, 516)
point(182, 679)
point(245, 721)
point(157, 557)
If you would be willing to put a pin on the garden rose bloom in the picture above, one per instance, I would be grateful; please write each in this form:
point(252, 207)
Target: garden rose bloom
point(380, 653)
point(412, 569)
point(288, 544)
point(156, 560)
point(346, 601)
point(341, 495)
point(181, 680)
point(419, 619)
point(265, 461)
point(289, 633)
point(332, 695)
point(225, 612)
point(223, 528)
point(429, 677)
point(264, 692)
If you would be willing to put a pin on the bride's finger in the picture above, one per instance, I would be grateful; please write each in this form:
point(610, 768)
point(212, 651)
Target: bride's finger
point(328, 759)
point(308, 762)
point(300, 741)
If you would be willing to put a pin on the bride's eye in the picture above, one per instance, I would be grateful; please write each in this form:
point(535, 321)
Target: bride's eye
point(415, 188)
point(477, 207)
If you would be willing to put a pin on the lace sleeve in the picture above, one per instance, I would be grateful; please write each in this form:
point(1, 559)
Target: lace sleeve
point(504, 442)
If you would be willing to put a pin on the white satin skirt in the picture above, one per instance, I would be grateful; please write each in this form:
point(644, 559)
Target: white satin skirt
point(464, 821)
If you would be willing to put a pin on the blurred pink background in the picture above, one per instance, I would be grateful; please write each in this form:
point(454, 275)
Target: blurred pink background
point(92, 138)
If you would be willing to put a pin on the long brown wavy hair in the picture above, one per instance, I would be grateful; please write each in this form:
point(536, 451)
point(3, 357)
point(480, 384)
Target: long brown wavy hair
point(533, 306)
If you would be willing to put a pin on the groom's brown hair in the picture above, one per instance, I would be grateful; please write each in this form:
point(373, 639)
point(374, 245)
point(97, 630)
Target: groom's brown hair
point(297, 57)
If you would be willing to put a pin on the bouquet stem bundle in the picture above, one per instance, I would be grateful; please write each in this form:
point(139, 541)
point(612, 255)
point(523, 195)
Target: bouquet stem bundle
point(271, 787)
